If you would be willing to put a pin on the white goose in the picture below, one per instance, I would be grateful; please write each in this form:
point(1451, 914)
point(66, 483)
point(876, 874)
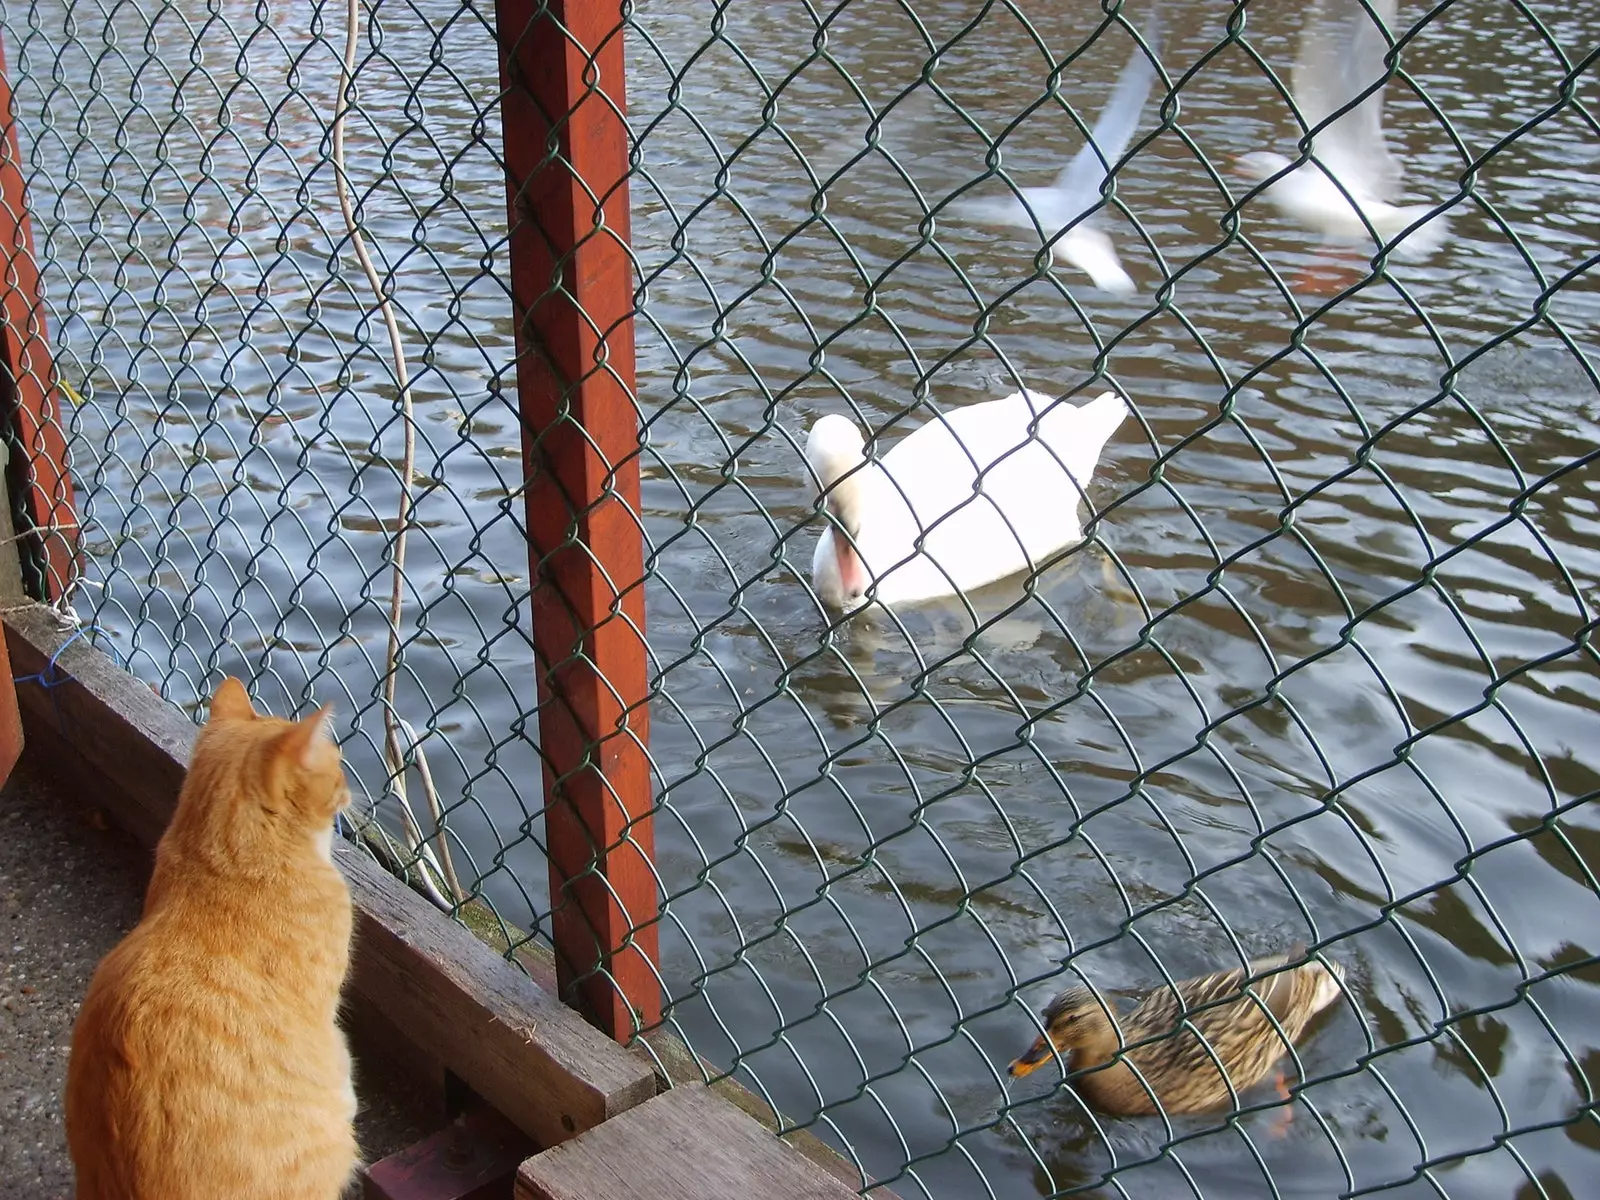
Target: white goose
point(1342, 54)
point(990, 489)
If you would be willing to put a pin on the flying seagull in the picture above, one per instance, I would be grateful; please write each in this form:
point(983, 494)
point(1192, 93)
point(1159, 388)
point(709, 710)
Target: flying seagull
point(1076, 190)
point(1355, 178)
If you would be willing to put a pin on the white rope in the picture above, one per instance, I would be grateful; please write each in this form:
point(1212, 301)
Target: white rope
point(42, 532)
point(396, 758)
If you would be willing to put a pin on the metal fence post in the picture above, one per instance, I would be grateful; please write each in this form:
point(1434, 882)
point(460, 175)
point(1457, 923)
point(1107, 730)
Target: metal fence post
point(25, 357)
point(566, 150)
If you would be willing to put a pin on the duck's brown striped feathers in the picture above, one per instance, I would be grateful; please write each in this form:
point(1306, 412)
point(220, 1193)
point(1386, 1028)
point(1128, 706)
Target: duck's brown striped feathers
point(1237, 1040)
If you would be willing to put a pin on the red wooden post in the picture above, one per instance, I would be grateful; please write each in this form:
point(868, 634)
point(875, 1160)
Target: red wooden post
point(25, 356)
point(566, 147)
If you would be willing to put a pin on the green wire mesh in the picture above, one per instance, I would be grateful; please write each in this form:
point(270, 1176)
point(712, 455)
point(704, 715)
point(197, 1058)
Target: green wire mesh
point(1323, 671)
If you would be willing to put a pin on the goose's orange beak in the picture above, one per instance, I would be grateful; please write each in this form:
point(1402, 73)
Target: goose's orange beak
point(1038, 1054)
point(852, 571)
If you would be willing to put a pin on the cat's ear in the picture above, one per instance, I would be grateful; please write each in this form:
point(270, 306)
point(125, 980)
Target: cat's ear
point(307, 740)
point(231, 702)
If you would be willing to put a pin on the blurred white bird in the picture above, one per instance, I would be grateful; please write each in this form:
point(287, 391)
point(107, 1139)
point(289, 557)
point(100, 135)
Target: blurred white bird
point(1342, 52)
point(988, 490)
point(1076, 191)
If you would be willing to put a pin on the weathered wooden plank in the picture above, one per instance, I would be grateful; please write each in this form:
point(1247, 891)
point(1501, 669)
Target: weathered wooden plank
point(685, 1144)
point(71, 775)
point(93, 710)
point(676, 1065)
point(516, 1046)
point(519, 1048)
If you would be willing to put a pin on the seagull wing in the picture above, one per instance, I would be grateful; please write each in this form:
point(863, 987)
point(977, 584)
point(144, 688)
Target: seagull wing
point(1342, 49)
point(1009, 211)
point(1081, 179)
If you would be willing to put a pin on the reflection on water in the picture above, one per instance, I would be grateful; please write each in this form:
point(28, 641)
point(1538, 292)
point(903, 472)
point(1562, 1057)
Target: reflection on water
point(1324, 672)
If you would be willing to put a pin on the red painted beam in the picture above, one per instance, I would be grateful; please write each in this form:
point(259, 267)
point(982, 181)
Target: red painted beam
point(25, 355)
point(475, 1158)
point(566, 148)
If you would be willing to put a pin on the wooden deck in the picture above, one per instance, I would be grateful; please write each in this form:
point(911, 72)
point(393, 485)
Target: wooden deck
point(516, 1070)
point(686, 1144)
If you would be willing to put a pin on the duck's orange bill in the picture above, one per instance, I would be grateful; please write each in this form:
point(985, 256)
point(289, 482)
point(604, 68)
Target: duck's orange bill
point(1038, 1054)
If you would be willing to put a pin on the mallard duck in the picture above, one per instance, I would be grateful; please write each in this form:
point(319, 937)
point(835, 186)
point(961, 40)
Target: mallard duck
point(974, 495)
point(1180, 1072)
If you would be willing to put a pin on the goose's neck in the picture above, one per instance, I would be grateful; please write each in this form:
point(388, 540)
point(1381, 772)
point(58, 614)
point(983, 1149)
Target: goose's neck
point(849, 499)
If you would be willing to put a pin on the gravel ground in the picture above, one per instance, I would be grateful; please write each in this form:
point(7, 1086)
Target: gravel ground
point(70, 887)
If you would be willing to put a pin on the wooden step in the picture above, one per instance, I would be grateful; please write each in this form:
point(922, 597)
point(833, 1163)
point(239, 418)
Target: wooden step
point(474, 1158)
point(685, 1144)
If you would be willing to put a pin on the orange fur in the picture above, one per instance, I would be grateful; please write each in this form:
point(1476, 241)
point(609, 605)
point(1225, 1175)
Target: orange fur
point(207, 1061)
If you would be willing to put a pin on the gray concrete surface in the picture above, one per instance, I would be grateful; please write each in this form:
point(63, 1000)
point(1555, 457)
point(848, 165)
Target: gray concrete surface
point(71, 885)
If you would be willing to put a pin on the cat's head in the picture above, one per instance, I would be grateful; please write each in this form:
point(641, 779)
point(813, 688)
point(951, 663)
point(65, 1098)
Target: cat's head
point(289, 772)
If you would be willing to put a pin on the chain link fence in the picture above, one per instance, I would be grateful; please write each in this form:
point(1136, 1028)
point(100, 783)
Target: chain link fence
point(1322, 670)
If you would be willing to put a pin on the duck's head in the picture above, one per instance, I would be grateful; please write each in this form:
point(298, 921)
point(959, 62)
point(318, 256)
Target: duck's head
point(1076, 1026)
point(834, 451)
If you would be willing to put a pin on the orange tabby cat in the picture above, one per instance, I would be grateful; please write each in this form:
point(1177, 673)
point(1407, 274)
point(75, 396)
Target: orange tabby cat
point(207, 1063)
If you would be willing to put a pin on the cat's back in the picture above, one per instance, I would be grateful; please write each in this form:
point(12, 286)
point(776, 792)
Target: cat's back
point(207, 1060)
point(227, 965)
point(197, 1077)
point(101, 1106)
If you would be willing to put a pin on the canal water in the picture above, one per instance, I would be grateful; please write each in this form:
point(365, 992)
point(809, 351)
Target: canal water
point(1323, 673)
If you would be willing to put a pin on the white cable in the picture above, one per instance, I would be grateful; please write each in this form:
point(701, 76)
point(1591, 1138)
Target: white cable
point(396, 760)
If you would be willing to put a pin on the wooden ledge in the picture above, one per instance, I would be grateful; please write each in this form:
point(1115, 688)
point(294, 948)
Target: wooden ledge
point(686, 1144)
point(458, 1002)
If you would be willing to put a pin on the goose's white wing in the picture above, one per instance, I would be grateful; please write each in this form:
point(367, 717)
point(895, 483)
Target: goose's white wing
point(1028, 506)
point(1342, 51)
